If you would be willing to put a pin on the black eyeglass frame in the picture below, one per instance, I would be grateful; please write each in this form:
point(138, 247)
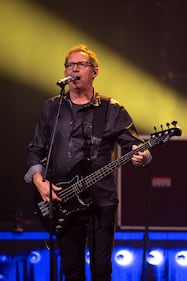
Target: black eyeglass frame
point(80, 64)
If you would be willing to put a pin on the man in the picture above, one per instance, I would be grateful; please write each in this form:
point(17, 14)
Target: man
point(83, 143)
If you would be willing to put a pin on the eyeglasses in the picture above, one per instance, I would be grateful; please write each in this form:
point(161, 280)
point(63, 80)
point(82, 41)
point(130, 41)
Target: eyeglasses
point(80, 64)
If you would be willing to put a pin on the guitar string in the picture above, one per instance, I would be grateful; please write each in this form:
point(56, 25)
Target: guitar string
point(101, 172)
point(70, 191)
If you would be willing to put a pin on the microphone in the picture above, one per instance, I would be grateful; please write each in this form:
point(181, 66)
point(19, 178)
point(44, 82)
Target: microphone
point(66, 80)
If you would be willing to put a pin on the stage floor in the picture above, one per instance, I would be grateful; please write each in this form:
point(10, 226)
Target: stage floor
point(137, 256)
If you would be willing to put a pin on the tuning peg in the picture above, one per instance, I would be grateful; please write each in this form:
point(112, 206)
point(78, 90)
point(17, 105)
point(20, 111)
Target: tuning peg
point(168, 125)
point(174, 123)
point(155, 129)
point(161, 126)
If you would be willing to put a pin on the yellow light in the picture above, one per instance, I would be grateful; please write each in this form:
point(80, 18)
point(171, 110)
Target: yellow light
point(33, 44)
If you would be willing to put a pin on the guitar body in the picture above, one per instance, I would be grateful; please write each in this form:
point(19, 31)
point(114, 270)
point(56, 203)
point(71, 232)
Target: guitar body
point(60, 211)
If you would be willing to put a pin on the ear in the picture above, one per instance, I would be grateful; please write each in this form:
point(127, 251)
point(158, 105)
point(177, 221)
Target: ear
point(95, 72)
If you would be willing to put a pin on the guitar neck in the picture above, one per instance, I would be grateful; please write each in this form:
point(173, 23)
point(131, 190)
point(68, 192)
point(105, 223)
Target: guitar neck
point(112, 166)
point(84, 183)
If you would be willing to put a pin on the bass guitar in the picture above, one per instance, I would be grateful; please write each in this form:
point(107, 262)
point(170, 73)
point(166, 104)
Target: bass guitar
point(71, 191)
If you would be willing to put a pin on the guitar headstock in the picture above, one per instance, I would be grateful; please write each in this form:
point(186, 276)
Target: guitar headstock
point(164, 135)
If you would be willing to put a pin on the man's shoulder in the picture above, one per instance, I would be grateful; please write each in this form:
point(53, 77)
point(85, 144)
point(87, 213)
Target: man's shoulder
point(112, 102)
point(52, 100)
point(108, 99)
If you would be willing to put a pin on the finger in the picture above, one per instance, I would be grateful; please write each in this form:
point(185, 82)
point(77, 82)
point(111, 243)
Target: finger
point(56, 187)
point(134, 147)
point(56, 198)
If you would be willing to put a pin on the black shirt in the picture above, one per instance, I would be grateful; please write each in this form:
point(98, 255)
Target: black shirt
point(74, 128)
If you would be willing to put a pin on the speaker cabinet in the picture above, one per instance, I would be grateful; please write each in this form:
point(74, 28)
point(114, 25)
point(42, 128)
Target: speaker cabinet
point(155, 196)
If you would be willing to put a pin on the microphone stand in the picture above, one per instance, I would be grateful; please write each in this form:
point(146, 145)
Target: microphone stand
point(48, 170)
point(146, 231)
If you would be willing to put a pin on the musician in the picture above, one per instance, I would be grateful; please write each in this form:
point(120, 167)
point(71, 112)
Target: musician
point(84, 141)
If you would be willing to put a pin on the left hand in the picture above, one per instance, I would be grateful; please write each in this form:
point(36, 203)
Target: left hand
point(141, 158)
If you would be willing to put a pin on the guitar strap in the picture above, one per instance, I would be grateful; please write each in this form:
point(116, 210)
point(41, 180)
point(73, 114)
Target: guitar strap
point(99, 121)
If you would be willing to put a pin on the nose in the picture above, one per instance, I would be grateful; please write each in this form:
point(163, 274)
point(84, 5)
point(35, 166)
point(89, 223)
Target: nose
point(75, 66)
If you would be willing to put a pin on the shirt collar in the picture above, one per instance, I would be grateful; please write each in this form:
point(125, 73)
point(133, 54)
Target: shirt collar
point(95, 100)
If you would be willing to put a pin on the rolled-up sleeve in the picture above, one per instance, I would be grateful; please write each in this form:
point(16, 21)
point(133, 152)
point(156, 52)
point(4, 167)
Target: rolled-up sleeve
point(32, 171)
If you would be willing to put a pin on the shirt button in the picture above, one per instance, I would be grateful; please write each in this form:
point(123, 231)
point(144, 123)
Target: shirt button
point(69, 154)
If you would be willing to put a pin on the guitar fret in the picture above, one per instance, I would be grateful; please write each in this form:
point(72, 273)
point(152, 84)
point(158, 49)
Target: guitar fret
point(91, 179)
point(109, 168)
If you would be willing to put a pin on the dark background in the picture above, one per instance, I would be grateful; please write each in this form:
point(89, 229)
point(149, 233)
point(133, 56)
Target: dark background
point(157, 205)
point(152, 34)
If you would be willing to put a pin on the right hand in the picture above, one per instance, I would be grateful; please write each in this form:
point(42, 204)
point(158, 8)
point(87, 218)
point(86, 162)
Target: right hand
point(44, 188)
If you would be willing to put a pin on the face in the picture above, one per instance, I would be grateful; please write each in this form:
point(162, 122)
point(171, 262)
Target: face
point(84, 70)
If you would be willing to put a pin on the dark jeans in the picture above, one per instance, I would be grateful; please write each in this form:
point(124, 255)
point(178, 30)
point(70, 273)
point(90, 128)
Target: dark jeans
point(94, 229)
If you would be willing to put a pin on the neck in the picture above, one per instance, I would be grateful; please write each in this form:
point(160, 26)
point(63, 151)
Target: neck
point(81, 97)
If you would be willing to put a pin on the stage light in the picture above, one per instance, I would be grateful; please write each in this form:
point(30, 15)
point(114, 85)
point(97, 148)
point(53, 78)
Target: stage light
point(37, 52)
point(87, 256)
point(123, 257)
point(34, 257)
point(155, 257)
point(181, 258)
point(4, 258)
point(6, 262)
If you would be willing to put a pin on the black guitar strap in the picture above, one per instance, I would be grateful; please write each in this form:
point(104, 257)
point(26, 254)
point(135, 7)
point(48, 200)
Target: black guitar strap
point(99, 122)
